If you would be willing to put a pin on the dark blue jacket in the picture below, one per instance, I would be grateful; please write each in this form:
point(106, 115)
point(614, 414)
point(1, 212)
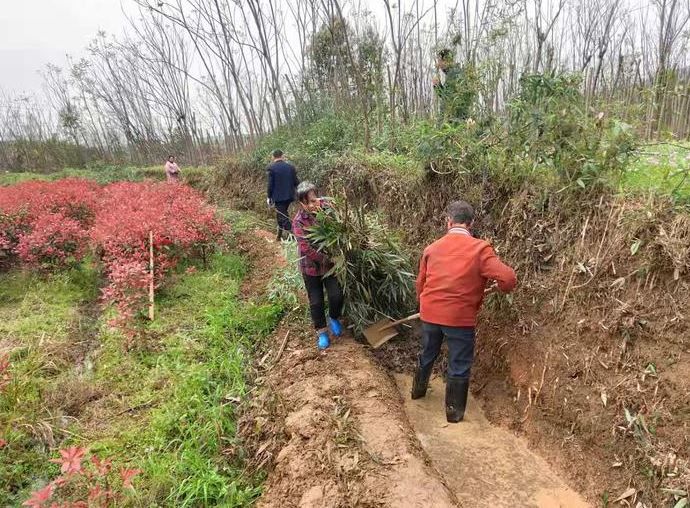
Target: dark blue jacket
point(282, 181)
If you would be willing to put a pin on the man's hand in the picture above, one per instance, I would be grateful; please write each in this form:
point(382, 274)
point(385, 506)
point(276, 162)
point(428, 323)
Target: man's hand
point(493, 287)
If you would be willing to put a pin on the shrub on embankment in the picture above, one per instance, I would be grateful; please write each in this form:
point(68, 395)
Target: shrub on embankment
point(593, 341)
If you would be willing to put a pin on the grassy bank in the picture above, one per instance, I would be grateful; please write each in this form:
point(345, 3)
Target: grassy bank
point(167, 407)
point(103, 174)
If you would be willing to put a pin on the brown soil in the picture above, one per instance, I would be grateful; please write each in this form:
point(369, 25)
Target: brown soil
point(263, 251)
point(348, 442)
point(485, 466)
point(330, 425)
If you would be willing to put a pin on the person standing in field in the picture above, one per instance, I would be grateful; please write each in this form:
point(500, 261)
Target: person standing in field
point(453, 273)
point(455, 87)
point(314, 265)
point(172, 170)
point(282, 182)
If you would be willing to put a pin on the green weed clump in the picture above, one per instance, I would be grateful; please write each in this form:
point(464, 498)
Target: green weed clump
point(187, 447)
point(549, 123)
point(287, 283)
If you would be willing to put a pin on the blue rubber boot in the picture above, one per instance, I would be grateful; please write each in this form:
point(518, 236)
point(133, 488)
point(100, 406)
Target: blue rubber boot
point(335, 326)
point(323, 341)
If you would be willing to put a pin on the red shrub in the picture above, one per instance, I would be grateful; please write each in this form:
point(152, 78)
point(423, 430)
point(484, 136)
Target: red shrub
point(128, 288)
point(22, 205)
point(55, 242)
point(181, 222)
point(48, 224)
point(73, 197)
point(12, 226)
point(92, 483)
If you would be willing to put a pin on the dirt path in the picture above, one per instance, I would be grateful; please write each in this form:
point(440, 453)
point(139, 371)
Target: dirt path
point(484, 466)
point(331, 425)
point(348, 440)
point(338, 432)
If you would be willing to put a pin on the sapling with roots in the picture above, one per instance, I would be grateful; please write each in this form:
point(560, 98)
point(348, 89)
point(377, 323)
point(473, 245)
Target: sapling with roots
point(375, 273)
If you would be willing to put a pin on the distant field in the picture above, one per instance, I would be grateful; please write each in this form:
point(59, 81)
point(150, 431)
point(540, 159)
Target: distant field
point(663, 168)
point(106, 174)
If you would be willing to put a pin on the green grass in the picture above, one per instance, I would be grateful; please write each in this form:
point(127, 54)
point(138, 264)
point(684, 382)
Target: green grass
point(168, 406)
point(38, 319)
point(661, 168)
point(103, 175)
point(241, 221)
point(186, 445)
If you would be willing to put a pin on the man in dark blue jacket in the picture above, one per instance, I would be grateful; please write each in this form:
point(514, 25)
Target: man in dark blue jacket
point(282, 183)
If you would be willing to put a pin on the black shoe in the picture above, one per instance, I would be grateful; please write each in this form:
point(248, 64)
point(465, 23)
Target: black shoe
point(280, 235)
point(421, 381)
point(456, 398)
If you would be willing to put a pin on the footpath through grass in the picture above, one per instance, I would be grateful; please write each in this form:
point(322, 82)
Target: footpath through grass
point(167, 407)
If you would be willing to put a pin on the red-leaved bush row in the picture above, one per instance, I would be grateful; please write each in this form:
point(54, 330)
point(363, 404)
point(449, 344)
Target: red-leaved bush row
point(51, 225)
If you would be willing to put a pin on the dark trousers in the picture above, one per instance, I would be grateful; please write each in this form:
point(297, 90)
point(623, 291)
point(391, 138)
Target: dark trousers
point(460, 348)
point(282, 216)
point(317, 305)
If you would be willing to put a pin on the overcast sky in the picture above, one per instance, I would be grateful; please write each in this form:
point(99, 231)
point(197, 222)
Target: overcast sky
point(35, 32)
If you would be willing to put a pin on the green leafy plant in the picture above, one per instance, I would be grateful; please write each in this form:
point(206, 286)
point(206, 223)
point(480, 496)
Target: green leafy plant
point(549, 123)
point(372, 267)
point(286, 283)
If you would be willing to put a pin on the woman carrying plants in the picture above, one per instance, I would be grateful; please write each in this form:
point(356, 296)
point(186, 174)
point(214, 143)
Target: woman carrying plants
point(315, 267)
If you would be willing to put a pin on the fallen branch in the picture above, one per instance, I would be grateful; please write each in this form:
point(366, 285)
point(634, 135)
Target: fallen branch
point(280, 351)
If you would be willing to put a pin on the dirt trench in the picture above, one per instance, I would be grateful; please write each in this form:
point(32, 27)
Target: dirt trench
point(336, 429)
point(484, 465)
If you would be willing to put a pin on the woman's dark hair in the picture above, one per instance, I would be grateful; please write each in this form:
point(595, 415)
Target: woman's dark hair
point(170, 156)
point(460, 212)
point(445, 54)
point(303, 190)
point(277, 154)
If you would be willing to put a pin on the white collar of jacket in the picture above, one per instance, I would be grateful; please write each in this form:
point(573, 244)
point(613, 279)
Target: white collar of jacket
point(459, 231)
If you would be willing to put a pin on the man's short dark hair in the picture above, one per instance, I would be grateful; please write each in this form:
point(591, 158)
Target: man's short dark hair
point(277, 154)
point(460, 212)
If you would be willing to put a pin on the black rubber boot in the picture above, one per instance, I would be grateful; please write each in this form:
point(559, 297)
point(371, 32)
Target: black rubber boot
point(421, 381)
point(280, 234)
point(456, 398)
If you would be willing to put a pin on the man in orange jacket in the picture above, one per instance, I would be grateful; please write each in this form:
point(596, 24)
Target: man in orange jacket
point(452, 279)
